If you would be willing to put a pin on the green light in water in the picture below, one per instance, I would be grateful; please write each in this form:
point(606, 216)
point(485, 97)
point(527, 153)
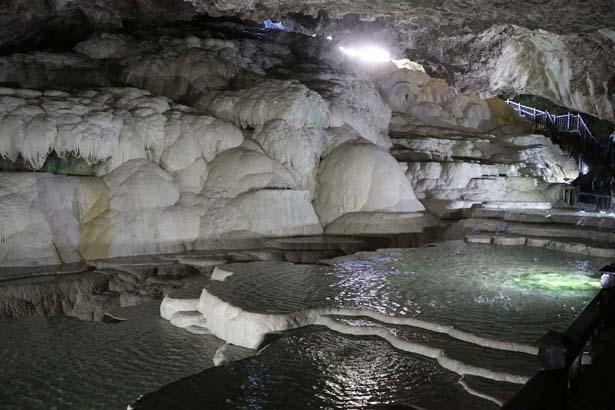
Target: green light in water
point(557, 282)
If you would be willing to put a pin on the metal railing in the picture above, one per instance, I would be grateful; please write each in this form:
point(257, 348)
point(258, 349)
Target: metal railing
point(561, 355)
point(573, 197)
point(569, 123)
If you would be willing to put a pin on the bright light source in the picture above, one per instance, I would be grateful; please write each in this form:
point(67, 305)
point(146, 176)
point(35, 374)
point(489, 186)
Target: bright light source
point(584, 169)
point(329, 38)
point(367, 54)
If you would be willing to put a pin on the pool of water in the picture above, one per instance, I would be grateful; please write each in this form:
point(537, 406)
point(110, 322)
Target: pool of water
point(507, 293)
point(511, 294)
point(315, 368)
point(507, 296)
point(64, 363)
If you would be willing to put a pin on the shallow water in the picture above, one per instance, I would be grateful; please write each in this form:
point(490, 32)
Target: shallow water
point(63, 363)
point(315, 368)
point(501, 294)
point(504, 293)
point(507, 293)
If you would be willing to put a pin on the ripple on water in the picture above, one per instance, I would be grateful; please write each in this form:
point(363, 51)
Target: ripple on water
point(507, 293)
point(315, 368)
point(511, 294)
point(62, 363)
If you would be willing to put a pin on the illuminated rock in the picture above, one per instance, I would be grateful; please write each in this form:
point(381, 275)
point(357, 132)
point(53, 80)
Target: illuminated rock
point(240, 170)
point(220, 274)
point(261, 213)
point(298, 149)
point(47, 212)
point(544, 63)
point(269, 100)
point(361, 177)
point(140, 184)
point(376, 223)
point(139, 232)
point(418, 99)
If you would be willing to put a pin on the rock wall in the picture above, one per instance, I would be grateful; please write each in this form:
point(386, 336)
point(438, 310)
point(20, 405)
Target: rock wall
point(559, 50)
point(271, 140)
point(463, 151)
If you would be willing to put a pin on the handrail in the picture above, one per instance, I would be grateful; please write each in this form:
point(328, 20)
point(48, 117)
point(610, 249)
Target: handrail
point(560, 353)
point(571, 196)
point(572, 123)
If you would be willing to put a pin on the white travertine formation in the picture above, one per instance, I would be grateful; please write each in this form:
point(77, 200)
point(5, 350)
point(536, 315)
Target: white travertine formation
point(358, 104)
point(361, 177)
point(269, 100)
point(422, 100)
point(280, 147)
point(192, 178)
point(261, 213)
point(107, 127)
point(42, 215)
point(241, 170)
point(278, 212)
point(379, 223)
point(140, 184)
point(191, 66)
point(172, 305)
point(140, 232)
point(298, 149)
point(26, 237)
point(220, 274)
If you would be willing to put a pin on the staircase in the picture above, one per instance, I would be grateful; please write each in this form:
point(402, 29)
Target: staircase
point(555, 125)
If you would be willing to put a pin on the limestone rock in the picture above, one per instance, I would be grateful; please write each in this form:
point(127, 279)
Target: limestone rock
point(26, 237)
point(544, 63)
point(53, 208)
point(140, 184)
point(279, 213)
point(192, 66)
point(377, 223)
point(269, 100)
point(44, 70)
point(503, 189)
point(240, 170)
point(421, 99)
point(220, 274)
point(298, 149)
point(358, 104)
point(361, 177)
point(435, 179)
point(139, 232)
point(192, 178)
point(262, 213)
point(173, 75)
point(106, 45)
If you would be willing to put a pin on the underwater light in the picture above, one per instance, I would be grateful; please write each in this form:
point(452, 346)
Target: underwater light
point(367, 54)
point(558, 282)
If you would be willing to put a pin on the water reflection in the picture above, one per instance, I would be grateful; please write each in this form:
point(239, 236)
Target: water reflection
point(314, 368)
point(512, 293)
